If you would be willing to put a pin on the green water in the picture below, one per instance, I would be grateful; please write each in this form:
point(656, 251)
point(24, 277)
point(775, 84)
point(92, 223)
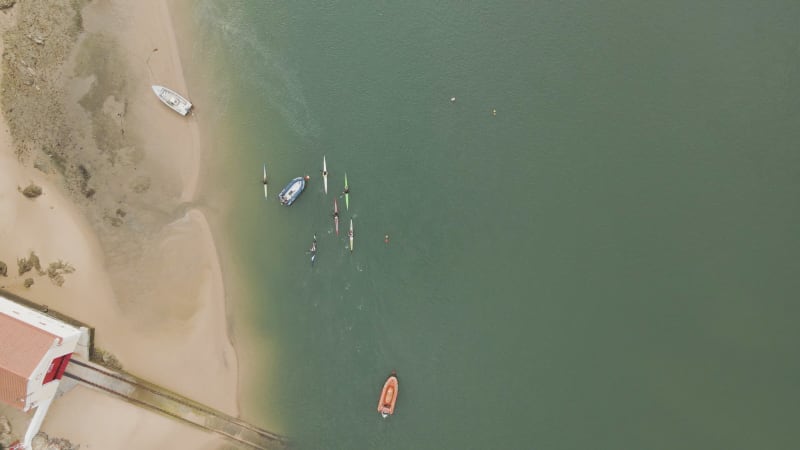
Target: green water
point(609, 262)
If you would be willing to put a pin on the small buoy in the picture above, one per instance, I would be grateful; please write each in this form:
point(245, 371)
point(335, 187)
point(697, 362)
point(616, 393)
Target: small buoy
point(307, 177)
point(386, 238)
point(452, 99)
point(494, 112)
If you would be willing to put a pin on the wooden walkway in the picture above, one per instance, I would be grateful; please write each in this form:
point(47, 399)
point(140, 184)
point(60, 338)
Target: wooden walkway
point(150, 396)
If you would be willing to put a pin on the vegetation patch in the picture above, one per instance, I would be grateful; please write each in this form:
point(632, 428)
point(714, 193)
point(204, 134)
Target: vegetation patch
point(105, 359)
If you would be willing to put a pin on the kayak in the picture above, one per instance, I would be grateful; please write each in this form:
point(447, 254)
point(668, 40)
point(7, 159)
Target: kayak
point(346, 193)
point(388, 396)
point(265, 181)
point(351, 235)
point(313, 250)
point(336, 216)
point(325, 174)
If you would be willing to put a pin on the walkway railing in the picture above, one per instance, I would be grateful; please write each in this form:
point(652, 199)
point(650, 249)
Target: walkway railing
point(150, 396)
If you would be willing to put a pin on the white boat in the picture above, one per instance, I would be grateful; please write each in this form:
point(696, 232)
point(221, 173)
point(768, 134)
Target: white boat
point(325, 174)
point(173, 100)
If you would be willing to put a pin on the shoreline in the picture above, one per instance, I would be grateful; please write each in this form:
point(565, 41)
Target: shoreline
point(117, 207)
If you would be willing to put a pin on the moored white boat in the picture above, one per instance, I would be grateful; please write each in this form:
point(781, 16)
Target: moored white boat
point(173, 99)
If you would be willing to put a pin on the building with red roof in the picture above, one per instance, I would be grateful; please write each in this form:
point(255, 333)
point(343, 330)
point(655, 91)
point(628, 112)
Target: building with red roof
point(35, 350)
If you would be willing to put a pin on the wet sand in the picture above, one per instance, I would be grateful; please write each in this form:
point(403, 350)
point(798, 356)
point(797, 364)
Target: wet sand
point(118, 172)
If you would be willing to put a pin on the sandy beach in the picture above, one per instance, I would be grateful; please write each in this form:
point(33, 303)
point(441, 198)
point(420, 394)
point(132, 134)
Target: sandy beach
point(118, 174)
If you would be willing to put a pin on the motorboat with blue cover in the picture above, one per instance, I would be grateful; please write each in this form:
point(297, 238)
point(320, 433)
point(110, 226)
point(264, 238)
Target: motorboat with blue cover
point(292, 190)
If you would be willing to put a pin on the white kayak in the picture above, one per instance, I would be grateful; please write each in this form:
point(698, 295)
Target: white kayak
point(265, 181)
point(351, 235)
point(325, 175)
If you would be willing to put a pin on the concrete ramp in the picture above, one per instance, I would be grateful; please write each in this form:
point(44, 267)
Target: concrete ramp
point(150, 396)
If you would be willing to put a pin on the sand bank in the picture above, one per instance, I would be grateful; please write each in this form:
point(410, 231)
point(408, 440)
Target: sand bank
point(118, 171)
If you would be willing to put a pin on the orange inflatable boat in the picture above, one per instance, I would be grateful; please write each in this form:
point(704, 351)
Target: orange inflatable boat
point(388, 396)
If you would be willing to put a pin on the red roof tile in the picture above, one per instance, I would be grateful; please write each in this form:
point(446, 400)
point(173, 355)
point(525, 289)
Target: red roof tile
point(22, 347)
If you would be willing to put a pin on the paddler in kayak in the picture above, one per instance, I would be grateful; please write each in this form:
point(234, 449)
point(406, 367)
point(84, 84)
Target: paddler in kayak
point(313, 250)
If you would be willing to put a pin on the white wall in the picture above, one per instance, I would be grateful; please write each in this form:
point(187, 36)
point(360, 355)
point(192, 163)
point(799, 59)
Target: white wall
point(37, 392)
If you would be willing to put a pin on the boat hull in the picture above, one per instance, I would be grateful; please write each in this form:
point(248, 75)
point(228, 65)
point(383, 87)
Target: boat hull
point(172, 99)
point(346, 194)
point(289, 194)
point(325, 174)
point(388, 399)
point(336, 216)
point(350, 234)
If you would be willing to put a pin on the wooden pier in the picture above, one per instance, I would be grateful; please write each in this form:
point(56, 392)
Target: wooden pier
point(150, 396)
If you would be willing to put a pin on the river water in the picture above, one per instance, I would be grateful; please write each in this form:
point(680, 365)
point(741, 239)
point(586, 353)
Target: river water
point(594, 246)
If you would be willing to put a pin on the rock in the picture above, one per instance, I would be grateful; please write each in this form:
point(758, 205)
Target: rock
point(36, 39)
point(5, 425)
point(39, 442)
point(28, 282)
point(5, 4)
point(32, 191)
point(32, 262)
point(57, 270)
point(44, 442)
point(3, 269)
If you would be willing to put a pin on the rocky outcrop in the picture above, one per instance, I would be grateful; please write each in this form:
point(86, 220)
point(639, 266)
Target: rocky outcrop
point(44, 442)
point(32, 191)
point(5, 432)
point(57, 270)
point(40, 442)
point(5, 4)
point(29, 263)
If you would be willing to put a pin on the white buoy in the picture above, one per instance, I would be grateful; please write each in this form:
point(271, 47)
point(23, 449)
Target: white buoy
point(452, 99)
